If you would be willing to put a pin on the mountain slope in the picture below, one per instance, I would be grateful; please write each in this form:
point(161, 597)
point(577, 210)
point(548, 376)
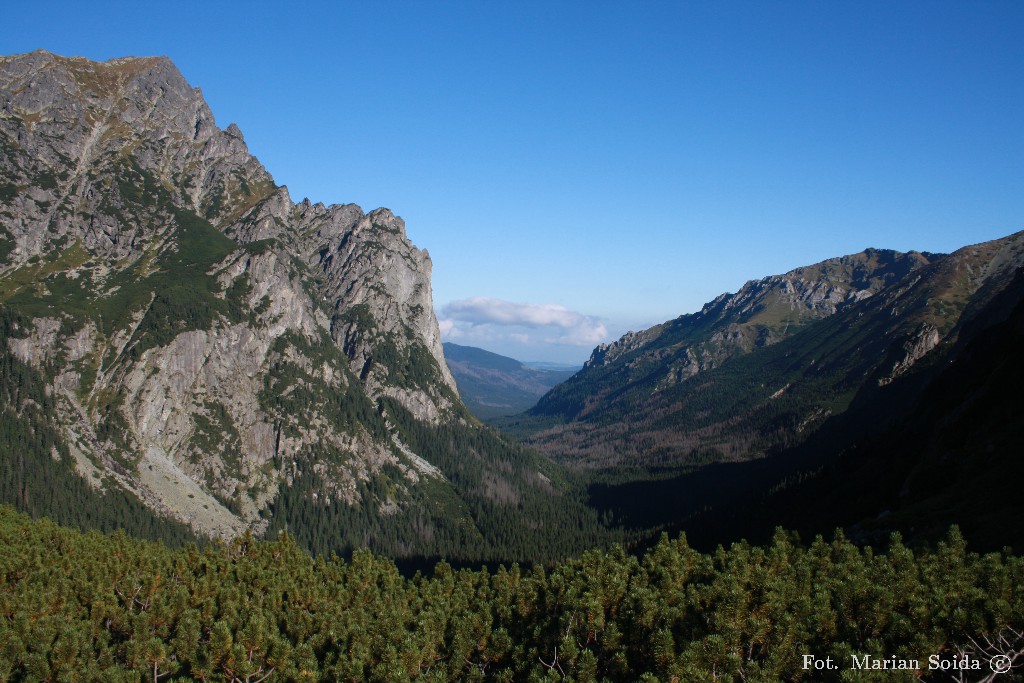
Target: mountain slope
point(939, 445)
point(762, 313)
point(228, 357)
point(492, 385)
point(944, 448)
point(916, 422)
point(700, 389)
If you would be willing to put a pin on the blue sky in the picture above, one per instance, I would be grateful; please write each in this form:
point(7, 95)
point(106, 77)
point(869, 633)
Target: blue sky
point(577, 169)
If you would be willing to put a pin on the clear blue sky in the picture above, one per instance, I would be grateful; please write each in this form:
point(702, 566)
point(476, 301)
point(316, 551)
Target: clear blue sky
point(577, 169)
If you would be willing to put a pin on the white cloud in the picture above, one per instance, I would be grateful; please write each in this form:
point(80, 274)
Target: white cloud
point(582, 336)
point(489, 318)
point(448, 329)
point(482, 309)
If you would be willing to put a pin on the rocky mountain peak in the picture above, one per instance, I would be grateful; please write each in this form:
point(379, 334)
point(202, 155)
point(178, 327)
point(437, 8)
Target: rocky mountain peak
point(174, 290)
point(68, 122)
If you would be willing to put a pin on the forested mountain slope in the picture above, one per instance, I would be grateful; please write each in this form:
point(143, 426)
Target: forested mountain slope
point(181, 335)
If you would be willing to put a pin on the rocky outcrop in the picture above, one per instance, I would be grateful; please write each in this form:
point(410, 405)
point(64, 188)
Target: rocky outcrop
point(373, 273)
point(924, 340)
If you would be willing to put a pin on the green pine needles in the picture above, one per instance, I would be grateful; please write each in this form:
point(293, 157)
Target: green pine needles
point(79, 606)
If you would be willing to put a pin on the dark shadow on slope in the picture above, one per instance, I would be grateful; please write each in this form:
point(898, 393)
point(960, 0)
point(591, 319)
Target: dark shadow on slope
point(942, 445)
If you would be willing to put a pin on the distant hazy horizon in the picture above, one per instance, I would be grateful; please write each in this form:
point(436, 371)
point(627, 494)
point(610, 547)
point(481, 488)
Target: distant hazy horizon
point(579, 169)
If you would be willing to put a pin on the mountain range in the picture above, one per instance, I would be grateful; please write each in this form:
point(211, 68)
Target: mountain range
point(187, 353)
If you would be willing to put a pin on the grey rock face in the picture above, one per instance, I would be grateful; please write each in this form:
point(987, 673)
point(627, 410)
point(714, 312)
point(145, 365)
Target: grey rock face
point(915, 348)
point(115, 175)
point(68, 125)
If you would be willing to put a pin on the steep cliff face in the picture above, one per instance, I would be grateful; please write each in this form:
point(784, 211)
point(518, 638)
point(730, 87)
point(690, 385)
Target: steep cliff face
point(208, 343)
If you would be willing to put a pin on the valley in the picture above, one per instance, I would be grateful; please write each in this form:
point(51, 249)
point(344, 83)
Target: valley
point(222, 358)
point(493, 386)
point(234, 445)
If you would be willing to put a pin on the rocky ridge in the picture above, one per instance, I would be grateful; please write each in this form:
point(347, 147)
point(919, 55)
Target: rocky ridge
point(761, 313)
point(765, 311)
point(759, 370)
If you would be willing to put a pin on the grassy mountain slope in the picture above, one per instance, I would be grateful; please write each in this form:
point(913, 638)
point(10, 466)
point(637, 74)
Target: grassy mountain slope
point(761, 314)
point(636, 409)
point(915, 448)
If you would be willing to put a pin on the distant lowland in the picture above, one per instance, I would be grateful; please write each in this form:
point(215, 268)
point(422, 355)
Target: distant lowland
point(492, 385)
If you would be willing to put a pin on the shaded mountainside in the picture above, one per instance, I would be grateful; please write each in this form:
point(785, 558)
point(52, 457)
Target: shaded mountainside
point(633, 404)
point(226, 357)
point(492, 385)
point(938, 446)
point(946, 445)
point(901, 412)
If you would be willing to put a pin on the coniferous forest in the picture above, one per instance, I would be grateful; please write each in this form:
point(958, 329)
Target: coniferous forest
point(86, 606)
